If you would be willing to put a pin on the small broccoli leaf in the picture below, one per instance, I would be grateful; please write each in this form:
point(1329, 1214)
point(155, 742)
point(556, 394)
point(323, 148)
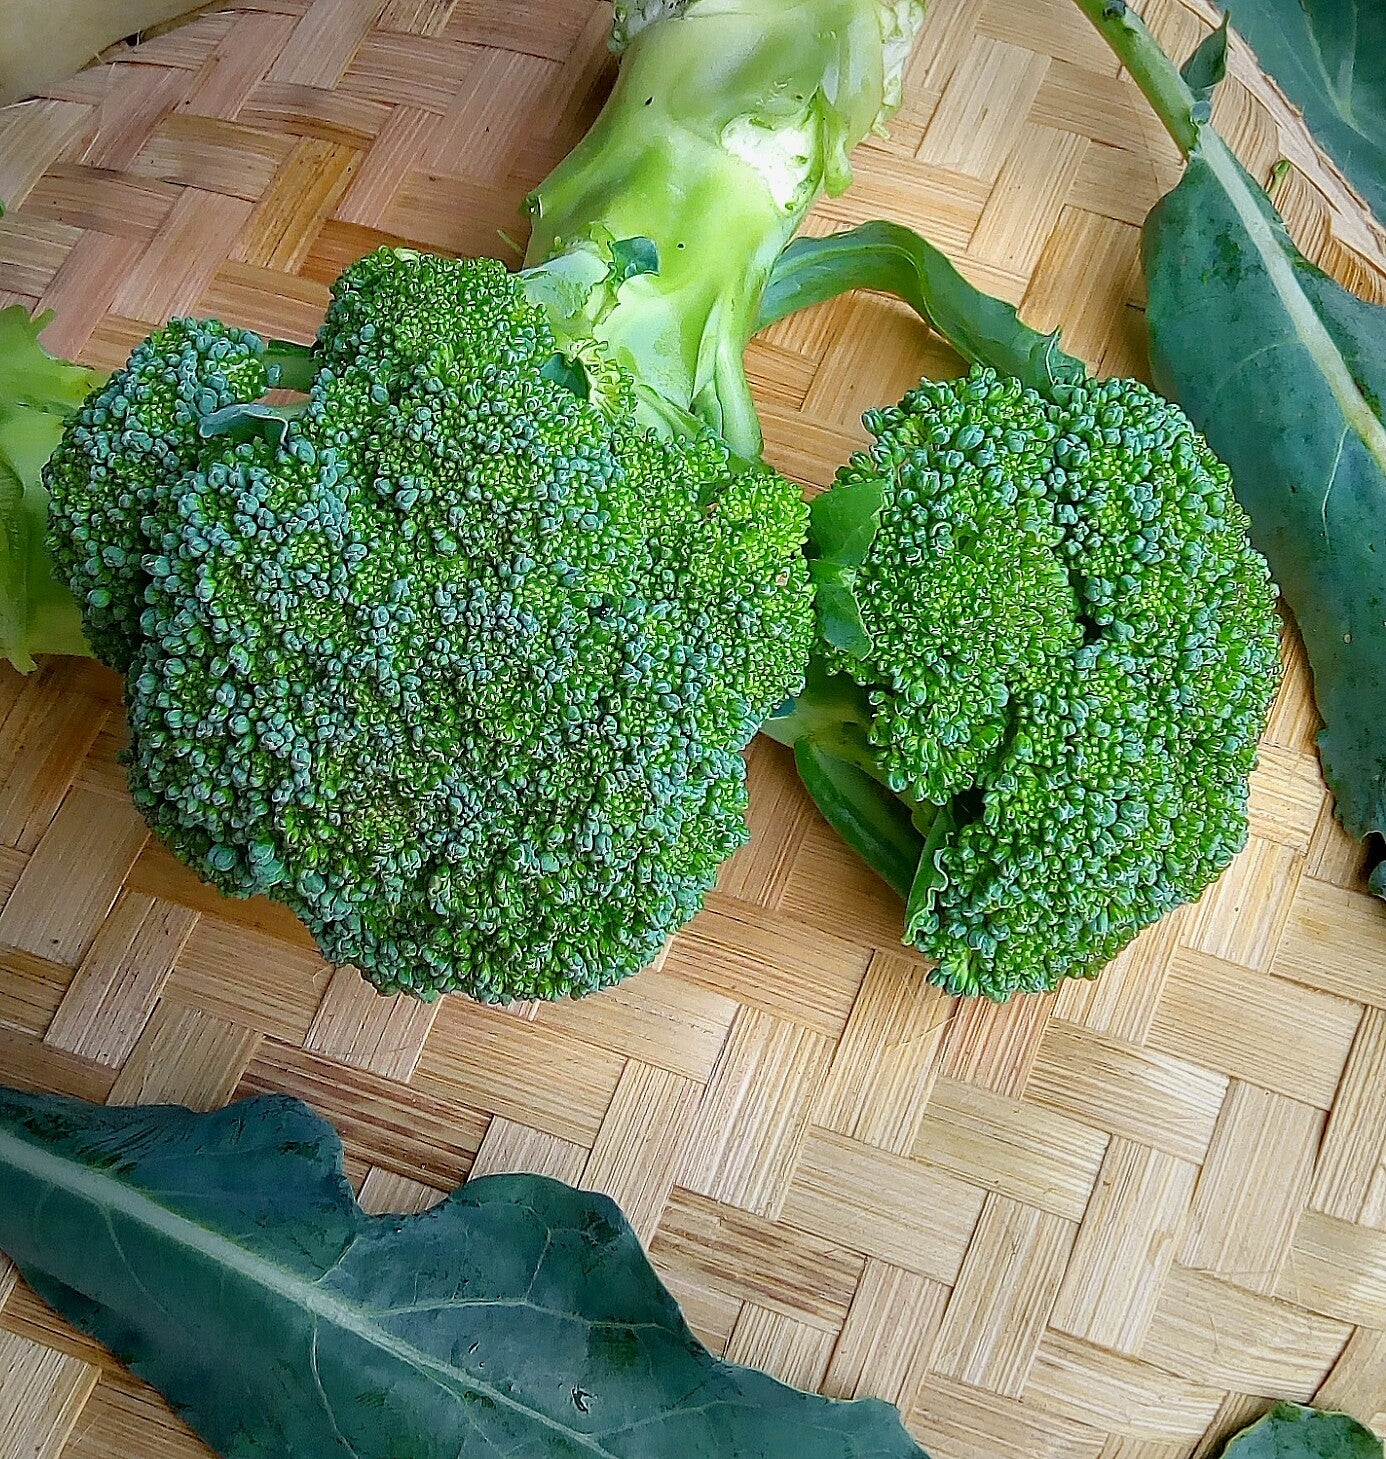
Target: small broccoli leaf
point(1329, 58)
point(842, 525)
point(225, 1259)
point(892, 259)
point(30, 376)
point(37, 395)
point(1206, 69)
point(869, 819)
point(843, 522)
point(567, 373)
point(290, 366)
point(928, 879)
point(631, 257)
point(1291, 1432)
point(839, 614)
point(1285, 373)
point(245, 422)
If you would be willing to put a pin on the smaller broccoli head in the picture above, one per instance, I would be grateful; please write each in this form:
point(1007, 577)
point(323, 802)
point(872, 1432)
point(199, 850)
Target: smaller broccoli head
point(452, 659)
point(1066, 650)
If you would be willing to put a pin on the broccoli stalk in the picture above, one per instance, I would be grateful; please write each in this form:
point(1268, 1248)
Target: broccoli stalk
point(728, 120)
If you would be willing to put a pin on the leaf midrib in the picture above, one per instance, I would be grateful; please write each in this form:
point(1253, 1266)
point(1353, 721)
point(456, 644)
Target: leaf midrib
point(1304, 318)
point(110, 1195)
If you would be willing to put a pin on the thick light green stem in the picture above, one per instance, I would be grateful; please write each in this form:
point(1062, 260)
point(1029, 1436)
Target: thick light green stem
point(727, 121)
point(1151, 69)
point(893, 259)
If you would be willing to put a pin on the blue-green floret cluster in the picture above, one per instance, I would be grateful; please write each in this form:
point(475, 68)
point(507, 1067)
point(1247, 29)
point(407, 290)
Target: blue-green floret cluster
point(133, 438)
point(1072, 653)
point(451, 661)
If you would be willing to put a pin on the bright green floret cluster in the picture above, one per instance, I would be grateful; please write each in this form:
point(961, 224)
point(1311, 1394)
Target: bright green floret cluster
point(449, 659)
point(457, 652)
point(1057, 650)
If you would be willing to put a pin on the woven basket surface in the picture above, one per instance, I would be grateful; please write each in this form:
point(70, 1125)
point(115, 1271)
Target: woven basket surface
point(1114, 1221)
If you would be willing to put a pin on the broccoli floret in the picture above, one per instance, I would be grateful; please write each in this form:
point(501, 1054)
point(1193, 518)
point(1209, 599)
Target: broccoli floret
point(1059, 650)
point(450, 660)
point(121, 455)
point(960, 475)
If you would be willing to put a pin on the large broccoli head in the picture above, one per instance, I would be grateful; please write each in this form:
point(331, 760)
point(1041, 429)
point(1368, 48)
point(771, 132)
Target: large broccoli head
point(450, 660)
point(1052, 641)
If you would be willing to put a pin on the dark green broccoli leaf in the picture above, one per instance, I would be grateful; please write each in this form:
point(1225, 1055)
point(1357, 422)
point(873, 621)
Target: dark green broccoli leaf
point(1329, 58)
point(224, 1259)
point(1291, 1432)
point(1285, 372)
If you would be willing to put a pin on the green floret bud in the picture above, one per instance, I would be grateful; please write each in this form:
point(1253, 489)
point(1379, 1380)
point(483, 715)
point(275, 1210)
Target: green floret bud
point(449, 660)
point(1067, 650)
point(130, 441)
point(971, 539)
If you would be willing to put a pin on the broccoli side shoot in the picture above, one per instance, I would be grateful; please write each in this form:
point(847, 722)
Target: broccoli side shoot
point(1046, 638)
point(449, 658)
point(122, 453)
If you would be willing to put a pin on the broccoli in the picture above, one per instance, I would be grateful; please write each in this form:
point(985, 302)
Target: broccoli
point(1047, 648)
point(456, 653)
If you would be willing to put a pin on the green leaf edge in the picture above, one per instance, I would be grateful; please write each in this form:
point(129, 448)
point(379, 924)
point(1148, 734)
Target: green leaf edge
point(891, 259)
point(30, 1121)
point(1291, 1416)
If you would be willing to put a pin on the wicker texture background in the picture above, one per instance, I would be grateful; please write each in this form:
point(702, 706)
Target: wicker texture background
point(1106, 1224)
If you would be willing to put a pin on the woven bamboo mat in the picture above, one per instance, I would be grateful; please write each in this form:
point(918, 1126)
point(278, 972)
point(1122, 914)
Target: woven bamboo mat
point(1112, 1222)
